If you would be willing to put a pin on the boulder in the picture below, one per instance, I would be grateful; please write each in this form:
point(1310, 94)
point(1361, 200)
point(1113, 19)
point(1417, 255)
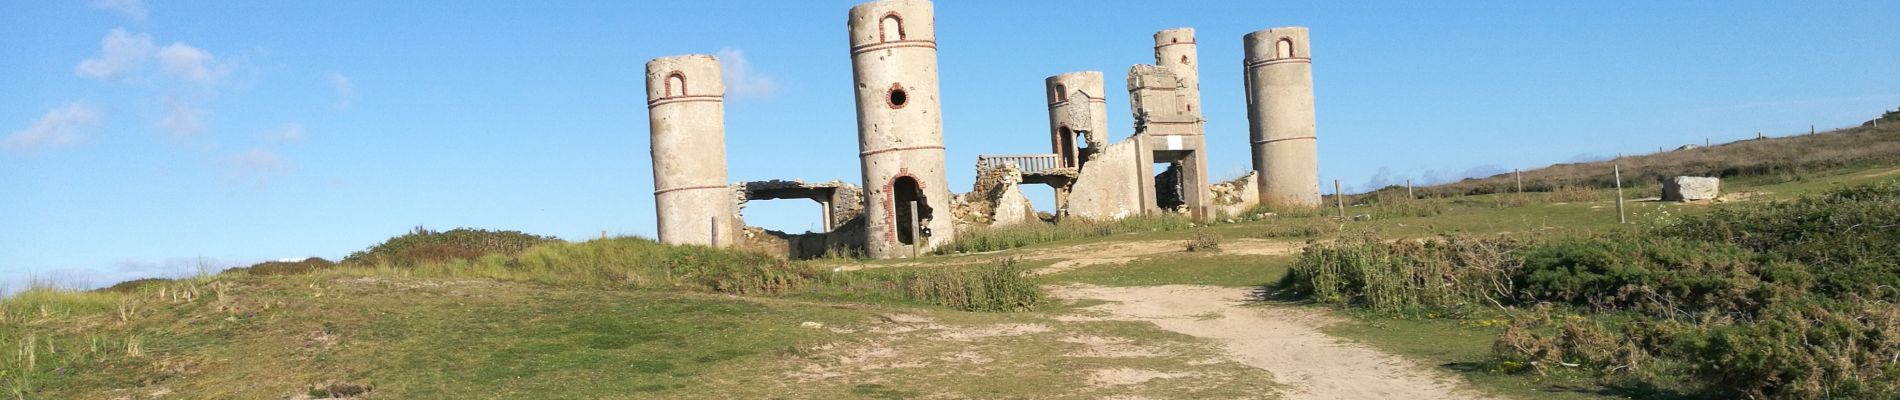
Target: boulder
point(1691, 188)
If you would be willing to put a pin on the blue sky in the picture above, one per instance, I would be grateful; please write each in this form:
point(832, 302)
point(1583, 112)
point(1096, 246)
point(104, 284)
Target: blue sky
point(152, 137)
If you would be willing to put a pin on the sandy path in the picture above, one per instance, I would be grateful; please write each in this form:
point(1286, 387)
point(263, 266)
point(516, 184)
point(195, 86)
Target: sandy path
point(1284, 341)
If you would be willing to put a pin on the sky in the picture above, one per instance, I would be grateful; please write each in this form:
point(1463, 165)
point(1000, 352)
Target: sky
point(158, 138)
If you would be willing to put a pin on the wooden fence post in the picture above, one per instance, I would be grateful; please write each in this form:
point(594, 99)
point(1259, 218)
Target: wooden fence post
point(1339, 197)
point(1620, 218)
point(916, 234)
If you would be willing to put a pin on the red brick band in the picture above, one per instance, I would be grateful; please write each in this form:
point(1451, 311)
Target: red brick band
point(1284, 139)
point(893, 44)
point(683, 99)
point(861, 154)
point(1262, 63)
point(670, 190)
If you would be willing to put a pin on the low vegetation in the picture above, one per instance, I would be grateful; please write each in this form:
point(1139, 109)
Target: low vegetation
point(423, 245)
point(1782, 158)
point(1779, 300)
point(982, 239)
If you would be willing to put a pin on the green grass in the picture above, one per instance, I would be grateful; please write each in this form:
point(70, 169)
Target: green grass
point(1461, 346)
point(1182, 269)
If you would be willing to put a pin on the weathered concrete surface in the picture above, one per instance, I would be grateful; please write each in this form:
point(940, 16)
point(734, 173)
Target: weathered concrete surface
point(1691, 188)
point(996, 200)
point(1280, 116)
point(900, 125)
point(1066, 120)
point(1167, 132)
point(1109, 186)
point(1175, 50)
point(686, 116)
point(1232, 198)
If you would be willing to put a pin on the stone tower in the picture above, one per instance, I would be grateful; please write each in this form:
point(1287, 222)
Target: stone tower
point(1086, 87)
point(1279, 75)
point(1175, 50)
point(900, 127)
point(688, 126)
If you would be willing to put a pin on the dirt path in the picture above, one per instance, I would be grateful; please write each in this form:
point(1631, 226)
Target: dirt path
point(1284, 341)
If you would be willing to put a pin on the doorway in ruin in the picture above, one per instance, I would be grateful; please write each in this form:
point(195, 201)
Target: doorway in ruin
point(1065, 147)
point(905, 191)
point(1167, 181)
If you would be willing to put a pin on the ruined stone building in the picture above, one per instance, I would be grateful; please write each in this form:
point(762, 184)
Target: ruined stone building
point(687, 122)
point(904, 206)
point(1279, 73)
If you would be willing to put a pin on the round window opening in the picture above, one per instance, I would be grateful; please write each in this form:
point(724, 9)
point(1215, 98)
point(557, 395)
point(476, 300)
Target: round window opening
point(897, 97)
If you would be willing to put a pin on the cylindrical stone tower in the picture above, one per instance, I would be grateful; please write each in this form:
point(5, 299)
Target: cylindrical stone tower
point(1175, 50)
point(900, 127)
point(1061, 90)
point(1279, 75)
point(688, 121)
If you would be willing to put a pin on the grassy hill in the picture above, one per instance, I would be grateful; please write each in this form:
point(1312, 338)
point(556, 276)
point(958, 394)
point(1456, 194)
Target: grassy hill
point(1776, 158)
point(1685, 301)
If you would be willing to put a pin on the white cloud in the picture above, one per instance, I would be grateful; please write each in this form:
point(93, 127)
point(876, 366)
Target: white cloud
point(345, 92)
point(119, 53)
point(292, 132)
point(741, 81)
point(61, 126)
point(134, 9)
point(257, 165)
point(183, 122)
point(190, 63)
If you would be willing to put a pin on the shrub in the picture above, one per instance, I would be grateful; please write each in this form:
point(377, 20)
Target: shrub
point(422, 245)
point(1204, 240)
point(286, 267)
point(995, 287)
point(1448, 274)
point(981, 239)
point(1659, 276)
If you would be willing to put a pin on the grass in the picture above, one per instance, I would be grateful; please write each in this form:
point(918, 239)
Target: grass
point(628, 318)
point(1184, 269)
point(983, 239)
point(1785, 157)
point(1785, 299)
point(240, 336)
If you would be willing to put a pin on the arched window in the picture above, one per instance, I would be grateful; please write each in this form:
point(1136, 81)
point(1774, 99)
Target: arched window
point(675, 81)
point(1062, 93)
point(890, 23)
point(1285, 48)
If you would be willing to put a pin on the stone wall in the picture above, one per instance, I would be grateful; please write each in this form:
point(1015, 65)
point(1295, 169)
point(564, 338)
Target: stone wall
point(1232, 198)
point(1109, 185)
point(996, 200)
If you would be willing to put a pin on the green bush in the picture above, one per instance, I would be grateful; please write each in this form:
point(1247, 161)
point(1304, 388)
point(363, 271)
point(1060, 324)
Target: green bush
point(1787, 300)
point(995, 287)
point(285, 267)
point(1203, 240)
point(422, 245)
point(1621, 272)
point(981, 239)
point(1448, 275)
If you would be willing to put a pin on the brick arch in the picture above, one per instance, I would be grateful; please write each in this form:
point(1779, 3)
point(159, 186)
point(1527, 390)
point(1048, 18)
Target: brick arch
point(893, 20)
point(676, 75)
